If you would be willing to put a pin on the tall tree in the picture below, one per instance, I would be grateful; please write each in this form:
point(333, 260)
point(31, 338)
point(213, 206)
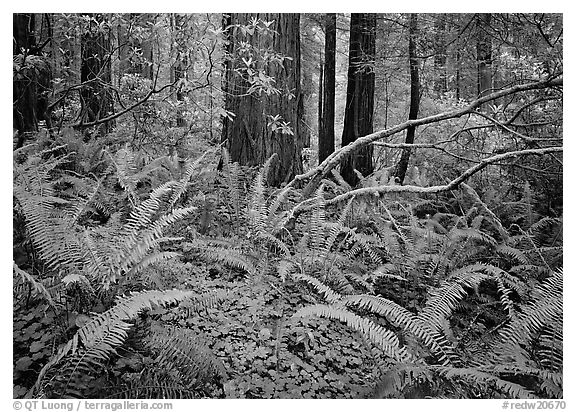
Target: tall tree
point(402, 165)
point(358, 116)
point(440, 84)
point(327, 100)
point(484, 53)
point(180, 67)
point(23, 32)
point(96, 71)
point(31, 78)
point(263, 92)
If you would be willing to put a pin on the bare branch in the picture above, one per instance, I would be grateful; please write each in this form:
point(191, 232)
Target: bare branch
point(322, 170)
point(380, 190)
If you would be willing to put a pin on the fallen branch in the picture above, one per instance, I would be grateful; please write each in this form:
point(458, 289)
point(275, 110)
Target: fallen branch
point(318, 173)
point(385, 189)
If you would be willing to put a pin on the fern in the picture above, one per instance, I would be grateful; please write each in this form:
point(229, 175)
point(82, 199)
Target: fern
point(98, 339)
point(541, 320)
point(381, 337)
point(443, 300)
point(482, 379)
point(190, 169)
point(178, 349)
point(402, 318)
point(222, 252)
point(232, 174)
point(35, 285)
point(330, 295)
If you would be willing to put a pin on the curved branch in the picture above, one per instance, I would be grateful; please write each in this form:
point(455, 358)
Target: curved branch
point(380, 190)
point(126, 110)
point(322, 170)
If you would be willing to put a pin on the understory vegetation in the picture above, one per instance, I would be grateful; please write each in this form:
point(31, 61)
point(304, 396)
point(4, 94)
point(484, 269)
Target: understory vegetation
point(172, 280)
point(286, 205)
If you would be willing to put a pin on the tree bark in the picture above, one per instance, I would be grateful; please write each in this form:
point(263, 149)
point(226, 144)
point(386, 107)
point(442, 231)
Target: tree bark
point(358, 115)
point(484, 54)
point(414, 98)
point(180, 66)
point(96, 69)
point(23, 32)
point(32, 78)
point(249, 135)
point(440, 85)
point(326, 124)
point(23, 90)
point(320, 105)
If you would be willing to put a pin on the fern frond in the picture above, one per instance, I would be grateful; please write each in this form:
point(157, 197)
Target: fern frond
point(36, 285)
point(126, 170)
point(98, 339)
point(318, 221)
point(178, 349)
point(141, 215)
point(363, 242)
point(134, 249)
point(443, 300)
point(51, 234)
point(402, 318)
point(337, 227)
point(182, 184)
point(258, 213)
point(544, 316)
point(150, 260)
point(488, 214)
point(511, 252)
point(223, 254)
point(482, 379)
point(330, 295)
point(232, 174)
point(197, 304)
point(381, 337)
point(285, 268)
point(274, 241)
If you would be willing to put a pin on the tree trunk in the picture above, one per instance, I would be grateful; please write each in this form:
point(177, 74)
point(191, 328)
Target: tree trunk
point(440, 85)
point(358, 115)
point(458, 69)
point(251, 134)
point(32, 78)
point(96, 69)
point(180, 68)
point(147, 51)
point(320, 104)
point(414, 98)
point(326, 125)
point(484, 54)
point(23, 91)
point(23, 32)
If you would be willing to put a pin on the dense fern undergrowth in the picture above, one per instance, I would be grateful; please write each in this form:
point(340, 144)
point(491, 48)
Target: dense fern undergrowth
point(142, 277)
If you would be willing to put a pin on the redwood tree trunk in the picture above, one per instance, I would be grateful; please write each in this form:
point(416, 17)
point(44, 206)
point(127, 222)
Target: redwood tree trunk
point(32, 77)
point(249, 134)
point(326, 117)
point(23, 90)
point(180, 66)
point(96, 69)
point(402, 166)
point(440, 85)
point(23, 32)
point(358, 115)
point(484, 54)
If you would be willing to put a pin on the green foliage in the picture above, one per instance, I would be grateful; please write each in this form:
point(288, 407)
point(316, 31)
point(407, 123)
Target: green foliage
point(97, 340)
point(424, 348)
